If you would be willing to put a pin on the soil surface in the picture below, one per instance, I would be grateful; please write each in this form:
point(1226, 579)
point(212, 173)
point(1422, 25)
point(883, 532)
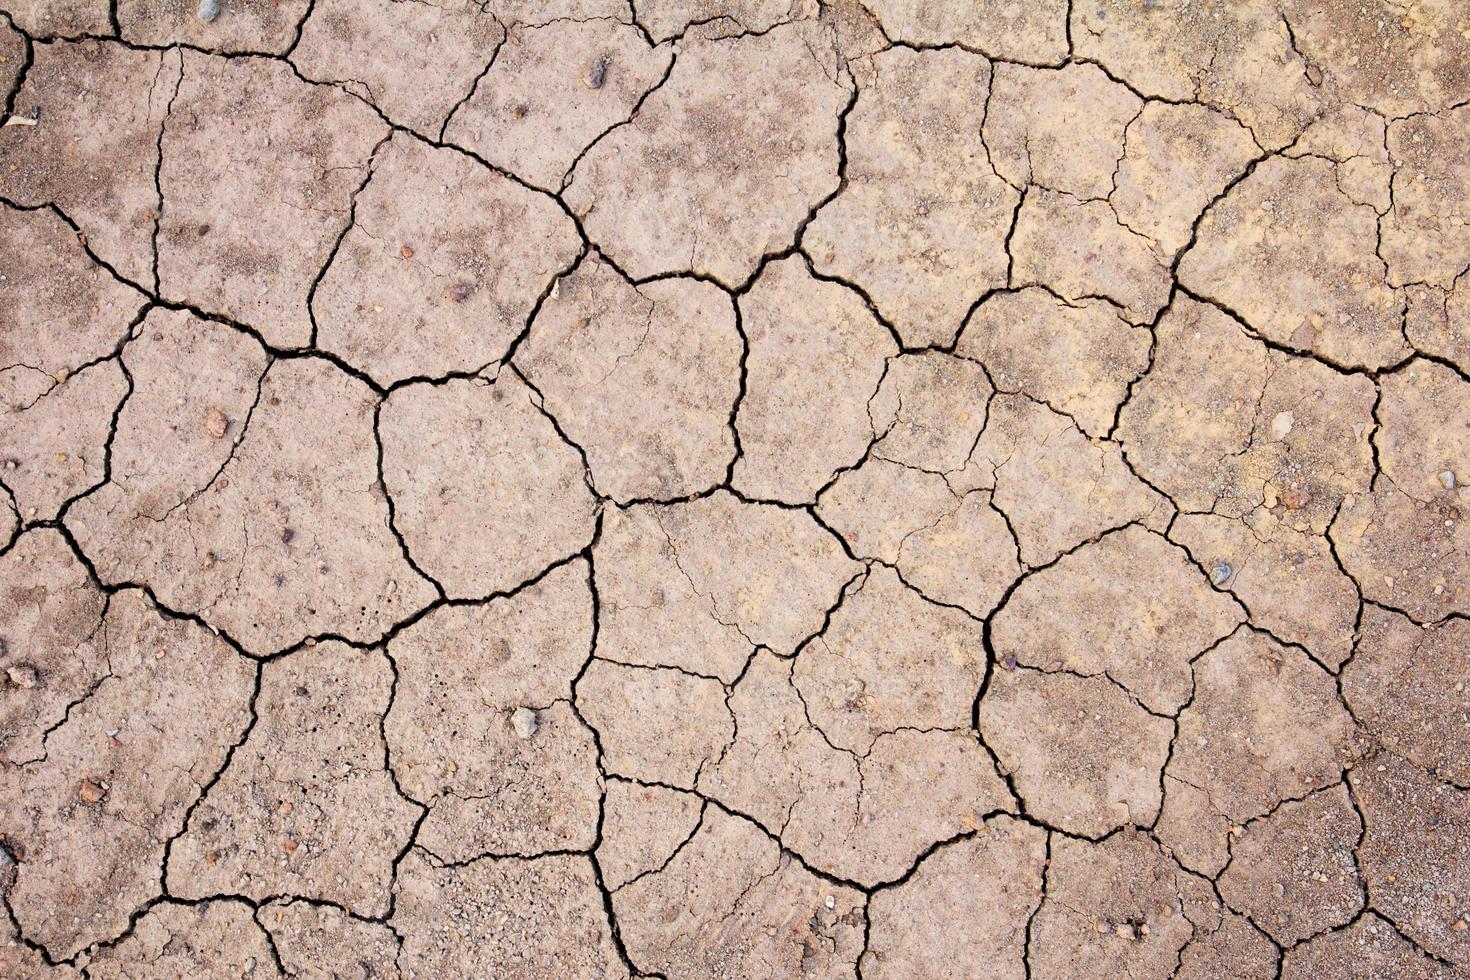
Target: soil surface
point(735, 488)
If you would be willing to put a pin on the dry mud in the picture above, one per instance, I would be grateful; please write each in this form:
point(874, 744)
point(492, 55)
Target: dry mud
point(735, 488)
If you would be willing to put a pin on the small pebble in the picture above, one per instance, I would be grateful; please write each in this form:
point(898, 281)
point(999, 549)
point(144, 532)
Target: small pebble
point(90, 792)
point(22, 675)
point(598, 75)
point(215, 423)
point(406, 251)
point(1447, 479)
point(1221, 573)
point(208, 10)
point(523, 720)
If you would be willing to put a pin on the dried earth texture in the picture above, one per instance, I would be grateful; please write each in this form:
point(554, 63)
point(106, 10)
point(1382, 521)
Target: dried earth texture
point(735, 488)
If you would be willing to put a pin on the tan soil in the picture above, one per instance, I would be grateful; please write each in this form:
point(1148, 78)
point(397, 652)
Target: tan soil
point(735, 488)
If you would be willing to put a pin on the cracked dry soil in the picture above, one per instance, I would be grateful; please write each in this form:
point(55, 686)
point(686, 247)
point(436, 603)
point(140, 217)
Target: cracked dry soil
point(735, 488)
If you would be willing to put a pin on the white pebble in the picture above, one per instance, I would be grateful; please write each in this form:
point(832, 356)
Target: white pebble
point(523, 720)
